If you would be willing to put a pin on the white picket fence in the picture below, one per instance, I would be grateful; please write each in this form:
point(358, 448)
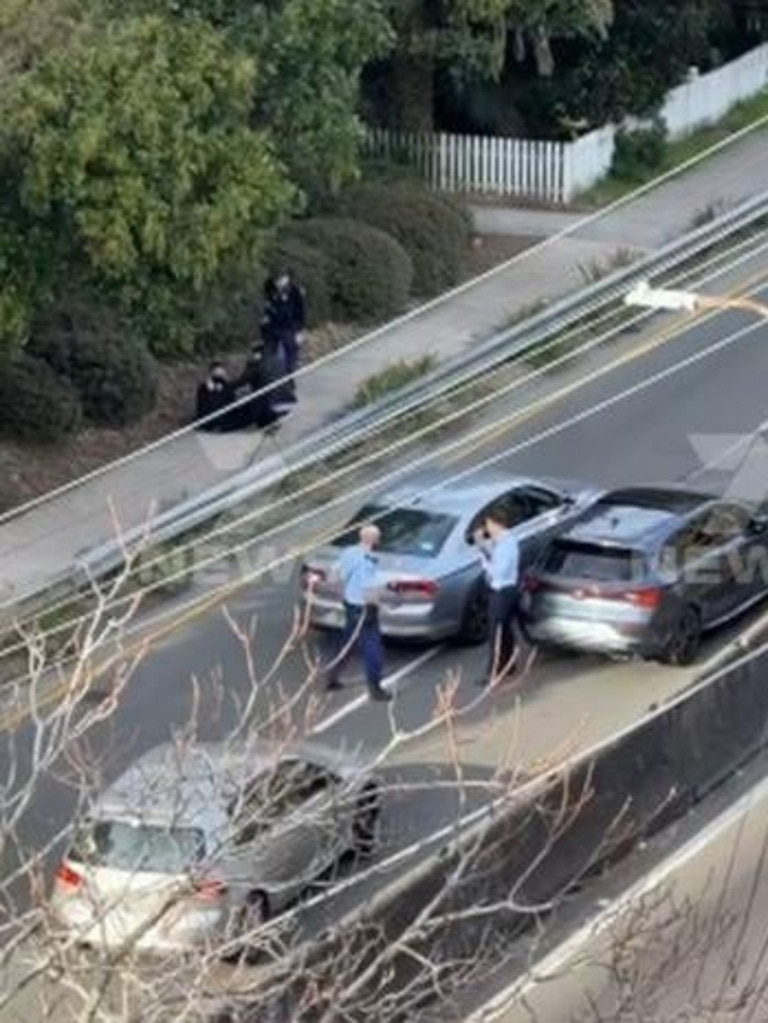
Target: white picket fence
point(556, 171)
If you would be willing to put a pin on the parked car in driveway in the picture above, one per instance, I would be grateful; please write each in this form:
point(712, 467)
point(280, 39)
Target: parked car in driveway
point(189, 847)
point(429, 567)
point(647, 571)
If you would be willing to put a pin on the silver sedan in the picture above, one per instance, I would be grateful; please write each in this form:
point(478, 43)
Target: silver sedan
point(197, 847)
point(429, 567)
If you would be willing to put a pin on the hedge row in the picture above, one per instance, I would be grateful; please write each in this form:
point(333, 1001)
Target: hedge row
point(365, 254)
point(359, 260)
point(81, 365)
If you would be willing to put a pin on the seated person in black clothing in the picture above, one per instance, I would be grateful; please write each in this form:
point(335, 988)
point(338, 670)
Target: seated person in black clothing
point(215, 395)
point(258, 374)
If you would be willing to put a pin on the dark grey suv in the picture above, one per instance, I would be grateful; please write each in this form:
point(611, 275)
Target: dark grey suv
point(647, 571)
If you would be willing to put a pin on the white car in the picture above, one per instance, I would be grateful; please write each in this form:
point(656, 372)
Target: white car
point(188, 848)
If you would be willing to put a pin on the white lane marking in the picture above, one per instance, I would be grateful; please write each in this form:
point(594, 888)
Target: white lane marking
point(555, 961)
point(388, 683)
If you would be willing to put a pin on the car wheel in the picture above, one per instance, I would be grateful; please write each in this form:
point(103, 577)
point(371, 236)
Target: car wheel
point(365, 827)
point(474, 620)
point(245, 920)
point(684, 642)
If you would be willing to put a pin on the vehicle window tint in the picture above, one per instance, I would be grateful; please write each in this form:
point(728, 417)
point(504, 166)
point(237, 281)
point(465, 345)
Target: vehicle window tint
point(704, 534)
point(726, 522)
point(138, 847)
point(588, 561)
point(517, 506)
point(273, 796)
point(406, 531)
point(538, 501)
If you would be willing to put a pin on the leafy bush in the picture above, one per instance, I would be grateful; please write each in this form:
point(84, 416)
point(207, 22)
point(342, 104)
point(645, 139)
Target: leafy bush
point(111, 370)
point(433, 231)
point(369, 273)
point(639, 151)
point(310, 270)
point(35, 405)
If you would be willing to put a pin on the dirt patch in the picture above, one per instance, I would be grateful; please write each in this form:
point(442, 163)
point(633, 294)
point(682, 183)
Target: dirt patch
point(26, 471)
point(489, 250)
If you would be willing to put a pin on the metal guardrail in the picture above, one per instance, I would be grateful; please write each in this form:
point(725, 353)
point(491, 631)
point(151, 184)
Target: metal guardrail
point(354, 426)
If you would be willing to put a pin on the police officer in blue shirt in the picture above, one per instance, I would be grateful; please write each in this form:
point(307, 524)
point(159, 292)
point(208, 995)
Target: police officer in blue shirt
point(500, 552)
point(356, 570)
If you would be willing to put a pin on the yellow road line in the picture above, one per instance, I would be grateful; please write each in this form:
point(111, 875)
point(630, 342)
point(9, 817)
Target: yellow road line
point(656, 341)
point(15, 717)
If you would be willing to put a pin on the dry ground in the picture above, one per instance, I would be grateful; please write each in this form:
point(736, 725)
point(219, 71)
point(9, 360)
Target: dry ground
point(27, 471)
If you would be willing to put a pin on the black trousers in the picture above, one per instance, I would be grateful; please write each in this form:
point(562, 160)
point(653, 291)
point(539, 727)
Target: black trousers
point(502, 613)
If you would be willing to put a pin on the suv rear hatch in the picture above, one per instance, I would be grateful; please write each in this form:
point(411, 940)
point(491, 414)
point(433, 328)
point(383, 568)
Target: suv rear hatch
point(591, 580)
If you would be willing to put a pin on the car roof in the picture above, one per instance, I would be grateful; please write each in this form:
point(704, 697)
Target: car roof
point(458, 497)
point(637, 516)
point(192, 785)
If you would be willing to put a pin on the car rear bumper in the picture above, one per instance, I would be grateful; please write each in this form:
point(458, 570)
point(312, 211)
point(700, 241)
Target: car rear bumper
point(411, 621)
point(111, 931)
point(592, 637)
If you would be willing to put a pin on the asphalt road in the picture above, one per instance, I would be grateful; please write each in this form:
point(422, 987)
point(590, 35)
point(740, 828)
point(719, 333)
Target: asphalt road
point(203, 673)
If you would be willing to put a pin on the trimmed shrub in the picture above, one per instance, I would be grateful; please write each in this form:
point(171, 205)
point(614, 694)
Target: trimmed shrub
point(35, 405)
point(110, 369)
point(433, 231)
point(369, 274)
point(639, 151)
point(310, 270)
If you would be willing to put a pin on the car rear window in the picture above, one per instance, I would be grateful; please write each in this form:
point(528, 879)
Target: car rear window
point(590, 561)
point(137, 847)
point(406, 531)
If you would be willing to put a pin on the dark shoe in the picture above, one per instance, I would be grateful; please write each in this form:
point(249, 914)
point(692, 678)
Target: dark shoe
point(333, 684)
point(380, 695)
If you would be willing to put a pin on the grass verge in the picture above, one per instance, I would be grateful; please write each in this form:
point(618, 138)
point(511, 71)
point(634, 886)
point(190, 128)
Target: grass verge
point(610, 189)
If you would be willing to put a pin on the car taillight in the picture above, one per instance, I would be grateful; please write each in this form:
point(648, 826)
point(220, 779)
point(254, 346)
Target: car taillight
point(312, 576)
point(210, 890)
point(413, 587)
point(646, 598)
point(66, 877)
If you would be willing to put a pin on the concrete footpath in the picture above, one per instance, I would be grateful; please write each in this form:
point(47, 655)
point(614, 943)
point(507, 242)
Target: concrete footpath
point(40, 544)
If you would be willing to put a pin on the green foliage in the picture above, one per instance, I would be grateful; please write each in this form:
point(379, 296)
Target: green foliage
point(314, 52)
point(310, 55)
point(309, 268)
point(369, 272)
point(35, 405)
point(134, 143)
point(393, 378)
point(432, 232)
point(638, 151)
point(112, 372)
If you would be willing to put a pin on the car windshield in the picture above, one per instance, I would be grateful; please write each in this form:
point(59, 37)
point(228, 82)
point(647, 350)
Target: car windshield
point(137, 847)
point(591, 561)
point(407, 531)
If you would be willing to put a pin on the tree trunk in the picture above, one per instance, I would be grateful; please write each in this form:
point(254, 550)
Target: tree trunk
point(413, 91)
point(542, 50)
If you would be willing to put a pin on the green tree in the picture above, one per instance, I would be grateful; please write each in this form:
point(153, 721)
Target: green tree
point(134, 145)
point(471, 37)
point(311, 54)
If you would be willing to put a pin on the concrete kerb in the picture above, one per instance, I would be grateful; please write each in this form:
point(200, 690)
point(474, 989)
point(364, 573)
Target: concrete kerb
point(168, 558)
point(371, 929)
point(465, 286)
point(353, 426)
